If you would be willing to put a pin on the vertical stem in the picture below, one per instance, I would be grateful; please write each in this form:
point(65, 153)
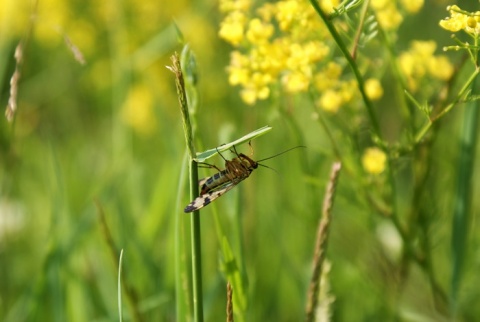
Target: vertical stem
point(463, 194)
point(195, 216)
point(196, 248)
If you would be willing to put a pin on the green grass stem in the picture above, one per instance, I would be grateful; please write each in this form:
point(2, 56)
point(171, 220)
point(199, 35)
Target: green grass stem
point(193, 171)
point(463, 194)
point(119, 289)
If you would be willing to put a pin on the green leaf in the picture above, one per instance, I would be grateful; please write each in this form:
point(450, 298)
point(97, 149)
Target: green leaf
point(202, 156)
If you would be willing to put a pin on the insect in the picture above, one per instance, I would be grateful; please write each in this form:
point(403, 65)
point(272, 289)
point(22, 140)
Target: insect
point(236, 170)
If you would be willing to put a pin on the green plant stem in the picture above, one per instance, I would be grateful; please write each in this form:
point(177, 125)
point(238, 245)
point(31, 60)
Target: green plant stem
point(196, 247)
point(463, 194)
point(193, 171)
point(447, 109)
point(353, 66)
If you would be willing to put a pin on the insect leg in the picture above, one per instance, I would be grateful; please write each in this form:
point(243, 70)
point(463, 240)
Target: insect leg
point(251, 147)
point(208, 165)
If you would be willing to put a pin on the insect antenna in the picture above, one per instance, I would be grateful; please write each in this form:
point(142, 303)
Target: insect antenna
point(266, 166)
point(276, 155)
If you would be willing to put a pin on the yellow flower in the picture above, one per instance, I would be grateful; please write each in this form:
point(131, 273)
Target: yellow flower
point(232, 28)
point(412, 6)
point(257, 88)
point(420, 61)
point(440, 67)
point(286, 13)
point(295, 82)
point(461, 20)
point(328, 77)
point(330, 101)
point(250, 95)
point(235, 5)
point(389, 17)
point(348, 90)
point(374, 160)
point(374, 89)
point(379, 4)
point(328, 5)
point(453, 24)
point(282, 42)
point(238, 72)
point(137, 110)
point(258, 31)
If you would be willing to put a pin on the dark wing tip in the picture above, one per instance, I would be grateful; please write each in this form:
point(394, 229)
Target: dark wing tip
point(198, 203)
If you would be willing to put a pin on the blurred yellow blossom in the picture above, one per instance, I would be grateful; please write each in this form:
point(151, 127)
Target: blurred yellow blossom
point(14, 18)
point(412, 6)
point(328, 76)
point(348, 89)
point(286, 12)
point(232, 29)
point(330, 101)
point(374, 89)
point(329, 5)
point(374, 160)
point(440, 67)
point(295, 82)
point(379, 4)
point(259, 32)
point(389, 17)
point(419, 61)
point(234, 5)
point(137, 110)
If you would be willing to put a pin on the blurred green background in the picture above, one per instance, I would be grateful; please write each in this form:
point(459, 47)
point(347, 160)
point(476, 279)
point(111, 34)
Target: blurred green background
point(109, 132)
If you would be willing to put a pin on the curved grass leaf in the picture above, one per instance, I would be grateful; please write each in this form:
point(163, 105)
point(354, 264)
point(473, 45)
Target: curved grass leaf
point(202, 156)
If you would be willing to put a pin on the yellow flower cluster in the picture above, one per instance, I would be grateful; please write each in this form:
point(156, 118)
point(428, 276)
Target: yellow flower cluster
point(282, 42)
point(420, 62)
point(335, 92)
point(388, 14)
point(462, 20)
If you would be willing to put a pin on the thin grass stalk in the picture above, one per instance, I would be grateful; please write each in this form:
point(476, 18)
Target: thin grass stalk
point(321, 243)
point(183, 294)
point(113, 250)
point(463, 194)
point(119, 287)
point(193, 169)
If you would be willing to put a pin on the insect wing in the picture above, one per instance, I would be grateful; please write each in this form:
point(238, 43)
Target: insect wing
point(203, 200)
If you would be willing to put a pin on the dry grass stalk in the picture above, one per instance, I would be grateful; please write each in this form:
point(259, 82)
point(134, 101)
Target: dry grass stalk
point(12, 99)
point(77, 54)
point(229, 302)
point(321, 243)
